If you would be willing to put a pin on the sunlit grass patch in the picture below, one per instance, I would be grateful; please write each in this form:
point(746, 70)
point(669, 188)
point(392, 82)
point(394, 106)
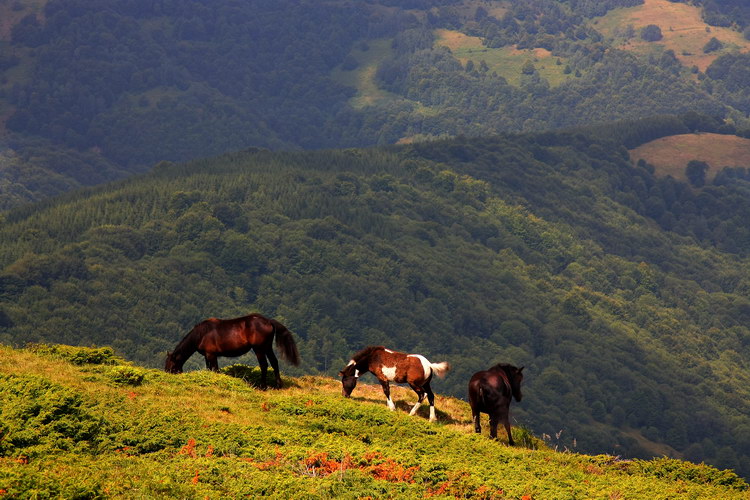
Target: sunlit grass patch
point(507, 62)
point(670, 155)
point(682, 27)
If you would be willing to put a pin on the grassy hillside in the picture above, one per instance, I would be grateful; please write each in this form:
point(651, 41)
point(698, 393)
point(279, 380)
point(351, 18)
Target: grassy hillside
point(683, 28)
point(507, 62)
point(624, 293)
point(670, 155)
point(81, 423)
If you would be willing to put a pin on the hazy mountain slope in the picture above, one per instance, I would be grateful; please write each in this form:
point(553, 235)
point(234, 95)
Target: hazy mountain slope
point(78, 423)
point(120, 86)
point(550, 251)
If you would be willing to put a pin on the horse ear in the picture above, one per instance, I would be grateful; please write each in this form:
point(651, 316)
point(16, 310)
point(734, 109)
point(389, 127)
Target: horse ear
point(521, 369)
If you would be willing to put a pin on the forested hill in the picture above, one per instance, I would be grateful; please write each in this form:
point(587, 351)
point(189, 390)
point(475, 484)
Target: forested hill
point(624, 294)
point(93, 91)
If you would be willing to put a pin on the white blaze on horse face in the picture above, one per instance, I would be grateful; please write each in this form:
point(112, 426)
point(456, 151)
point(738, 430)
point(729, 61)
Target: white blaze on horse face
point(388, 351)
point(389, 372)
point(425, 364)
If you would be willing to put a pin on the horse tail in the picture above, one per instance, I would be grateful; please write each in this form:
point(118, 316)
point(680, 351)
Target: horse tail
point(285, 343)
point(440, 369)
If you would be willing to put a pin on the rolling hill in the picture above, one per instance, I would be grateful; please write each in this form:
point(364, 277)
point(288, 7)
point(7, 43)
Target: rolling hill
point(623, 292)
point(81, 423)
point(669, 155)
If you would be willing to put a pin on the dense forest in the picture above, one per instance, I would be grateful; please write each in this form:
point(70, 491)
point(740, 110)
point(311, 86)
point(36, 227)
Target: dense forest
point(624, 294)
point(90, 92)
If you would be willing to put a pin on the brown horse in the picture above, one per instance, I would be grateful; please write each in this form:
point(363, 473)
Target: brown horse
point(235, 337)
point(491, 392)
point(390, 366)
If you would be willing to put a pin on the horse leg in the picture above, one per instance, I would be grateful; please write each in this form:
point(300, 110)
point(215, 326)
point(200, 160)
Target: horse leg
point(263, 363)
point(387, 392)
point(420, 394)
point(475, 416)
point(212, 362)
point(275, 365)
point(431, 399)
point(493, 425)
point(506, 423)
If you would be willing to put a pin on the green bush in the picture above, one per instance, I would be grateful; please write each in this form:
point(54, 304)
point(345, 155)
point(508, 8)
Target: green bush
point(78, 355)
point(39, 417)
point(127, 375)
point(685, 471)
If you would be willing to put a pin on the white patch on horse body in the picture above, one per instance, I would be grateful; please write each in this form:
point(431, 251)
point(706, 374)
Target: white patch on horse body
point(388, 351)
point(389, 372)
point(391, 406)
point(356, 373)
point(425, 364)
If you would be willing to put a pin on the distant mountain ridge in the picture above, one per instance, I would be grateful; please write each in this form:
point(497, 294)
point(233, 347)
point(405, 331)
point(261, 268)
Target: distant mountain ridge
point(116, 87)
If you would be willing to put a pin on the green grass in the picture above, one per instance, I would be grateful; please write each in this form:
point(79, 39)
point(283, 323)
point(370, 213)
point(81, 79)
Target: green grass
point(670, 155)
point(362, 77)
point(505, 61)
point(683, 30)
point(74, 431)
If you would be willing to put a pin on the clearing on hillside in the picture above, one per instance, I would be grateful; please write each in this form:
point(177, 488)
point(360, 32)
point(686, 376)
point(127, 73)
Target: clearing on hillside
point(682, 27)
point(505, 61)
point(670, 155)
point(368, 56)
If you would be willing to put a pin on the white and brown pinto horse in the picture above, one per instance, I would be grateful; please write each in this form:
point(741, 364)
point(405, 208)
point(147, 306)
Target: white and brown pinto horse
point(390, 366)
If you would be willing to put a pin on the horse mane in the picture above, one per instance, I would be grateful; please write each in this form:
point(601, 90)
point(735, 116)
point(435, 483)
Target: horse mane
point(190, 341)
point(366, 352)
point(502, 366)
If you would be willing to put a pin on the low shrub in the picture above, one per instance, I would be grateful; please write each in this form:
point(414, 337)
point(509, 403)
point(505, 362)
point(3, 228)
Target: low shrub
point(78, 355)
point(127, 375)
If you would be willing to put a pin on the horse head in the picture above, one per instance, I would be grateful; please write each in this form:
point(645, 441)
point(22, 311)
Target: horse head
point(516, 377)
point(171, 365)
point(349, 376)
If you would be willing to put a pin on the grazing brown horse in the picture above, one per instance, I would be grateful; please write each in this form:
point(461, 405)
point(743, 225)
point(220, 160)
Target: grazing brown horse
point(390, 366)
point(491, 392)
point(235, 337)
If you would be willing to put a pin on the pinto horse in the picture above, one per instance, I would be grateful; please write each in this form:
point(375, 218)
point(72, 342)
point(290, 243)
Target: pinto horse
point(491, 392)
point(390, 366)
point(235, 337)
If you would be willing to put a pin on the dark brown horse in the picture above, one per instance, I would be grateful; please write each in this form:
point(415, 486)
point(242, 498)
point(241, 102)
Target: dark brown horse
point(390, 366)
point(235, 337)
point(491, 392)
